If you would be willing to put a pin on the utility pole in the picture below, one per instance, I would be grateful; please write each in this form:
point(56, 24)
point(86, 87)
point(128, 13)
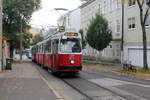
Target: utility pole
point(21, 33)
point(1, 2)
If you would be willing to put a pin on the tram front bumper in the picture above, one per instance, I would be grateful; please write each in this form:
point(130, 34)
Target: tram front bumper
point(70, 68)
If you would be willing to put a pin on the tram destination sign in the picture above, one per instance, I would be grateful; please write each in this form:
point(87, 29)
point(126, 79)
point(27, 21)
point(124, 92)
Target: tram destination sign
point(71, 34)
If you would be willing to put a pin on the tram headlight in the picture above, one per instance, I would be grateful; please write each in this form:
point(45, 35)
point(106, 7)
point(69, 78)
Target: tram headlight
point(72, 62)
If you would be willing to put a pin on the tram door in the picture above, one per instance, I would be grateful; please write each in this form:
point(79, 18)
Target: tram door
point(55, 53)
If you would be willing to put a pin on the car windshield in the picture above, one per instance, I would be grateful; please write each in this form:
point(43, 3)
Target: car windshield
point(70, 46)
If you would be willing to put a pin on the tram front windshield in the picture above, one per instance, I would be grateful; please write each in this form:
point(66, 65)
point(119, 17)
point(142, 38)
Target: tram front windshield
point(70, 46)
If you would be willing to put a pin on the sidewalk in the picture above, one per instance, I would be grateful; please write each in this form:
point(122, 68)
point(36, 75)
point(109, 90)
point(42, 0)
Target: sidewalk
point(23, 82)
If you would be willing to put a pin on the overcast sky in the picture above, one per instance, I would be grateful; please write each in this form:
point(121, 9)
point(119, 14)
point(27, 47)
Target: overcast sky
point(48, 16)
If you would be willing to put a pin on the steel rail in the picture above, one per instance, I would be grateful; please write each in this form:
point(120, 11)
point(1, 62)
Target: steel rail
point(78, 90)
point(125, 97)
point(106, 89)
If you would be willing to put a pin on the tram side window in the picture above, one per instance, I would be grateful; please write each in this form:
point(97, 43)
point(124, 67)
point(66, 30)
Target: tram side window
point(48, 46)
point(44, 45)
point(33, 50)
point(44, 48)
point(55, 46)
point(39, 48)
point(36, 49)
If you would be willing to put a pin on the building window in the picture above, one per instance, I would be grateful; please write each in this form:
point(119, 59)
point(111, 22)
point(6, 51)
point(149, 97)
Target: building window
point(68, 20)
point(118, 26)
point(111, 5)
point(110, 46)
point(117, 4)
point(110, 25)
point(102, 8)
point(105, 7)
point(131, 2)
point(99, 6)
point(147, 22)
point(131, 23)
point(118, 46)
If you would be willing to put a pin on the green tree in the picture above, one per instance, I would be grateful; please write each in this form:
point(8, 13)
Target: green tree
point(15, 14)
point(83, 40)
point(143, 21)
point(37, 38)
point(98, 33)
point(27, 40)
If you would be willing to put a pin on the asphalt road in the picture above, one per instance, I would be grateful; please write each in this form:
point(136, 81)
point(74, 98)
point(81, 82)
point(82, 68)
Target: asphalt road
point(92, 84)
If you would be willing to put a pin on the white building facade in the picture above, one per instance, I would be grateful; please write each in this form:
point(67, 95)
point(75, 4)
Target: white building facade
point(71, 20)
point(133, 41)
point(112, 11)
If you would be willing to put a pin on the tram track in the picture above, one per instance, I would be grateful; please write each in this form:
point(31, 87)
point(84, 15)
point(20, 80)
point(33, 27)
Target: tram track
point(87, 95)
point(106, 89)
point(71, 82)
point(78, 90)
point(126, 95)
point(122, 78)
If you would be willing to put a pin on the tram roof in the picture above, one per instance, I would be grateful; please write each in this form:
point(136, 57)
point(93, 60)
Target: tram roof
point(60, 34)
point(57, 35)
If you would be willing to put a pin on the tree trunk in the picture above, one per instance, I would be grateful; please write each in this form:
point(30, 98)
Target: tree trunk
point(144, 50)
point(145, 65)
point(11, 51)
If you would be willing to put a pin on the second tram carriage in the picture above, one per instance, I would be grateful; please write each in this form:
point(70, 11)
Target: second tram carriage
point(60, 52)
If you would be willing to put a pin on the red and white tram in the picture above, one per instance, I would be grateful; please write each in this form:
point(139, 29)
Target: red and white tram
point(60, 52)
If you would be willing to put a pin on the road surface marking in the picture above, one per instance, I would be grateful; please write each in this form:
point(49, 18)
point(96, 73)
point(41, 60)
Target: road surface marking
point(59, 97)
point(115, 82)
point(108, 83)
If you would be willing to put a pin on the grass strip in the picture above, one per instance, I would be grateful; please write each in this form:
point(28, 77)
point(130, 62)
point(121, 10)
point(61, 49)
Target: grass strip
point(139, 71)
point(94, 63)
